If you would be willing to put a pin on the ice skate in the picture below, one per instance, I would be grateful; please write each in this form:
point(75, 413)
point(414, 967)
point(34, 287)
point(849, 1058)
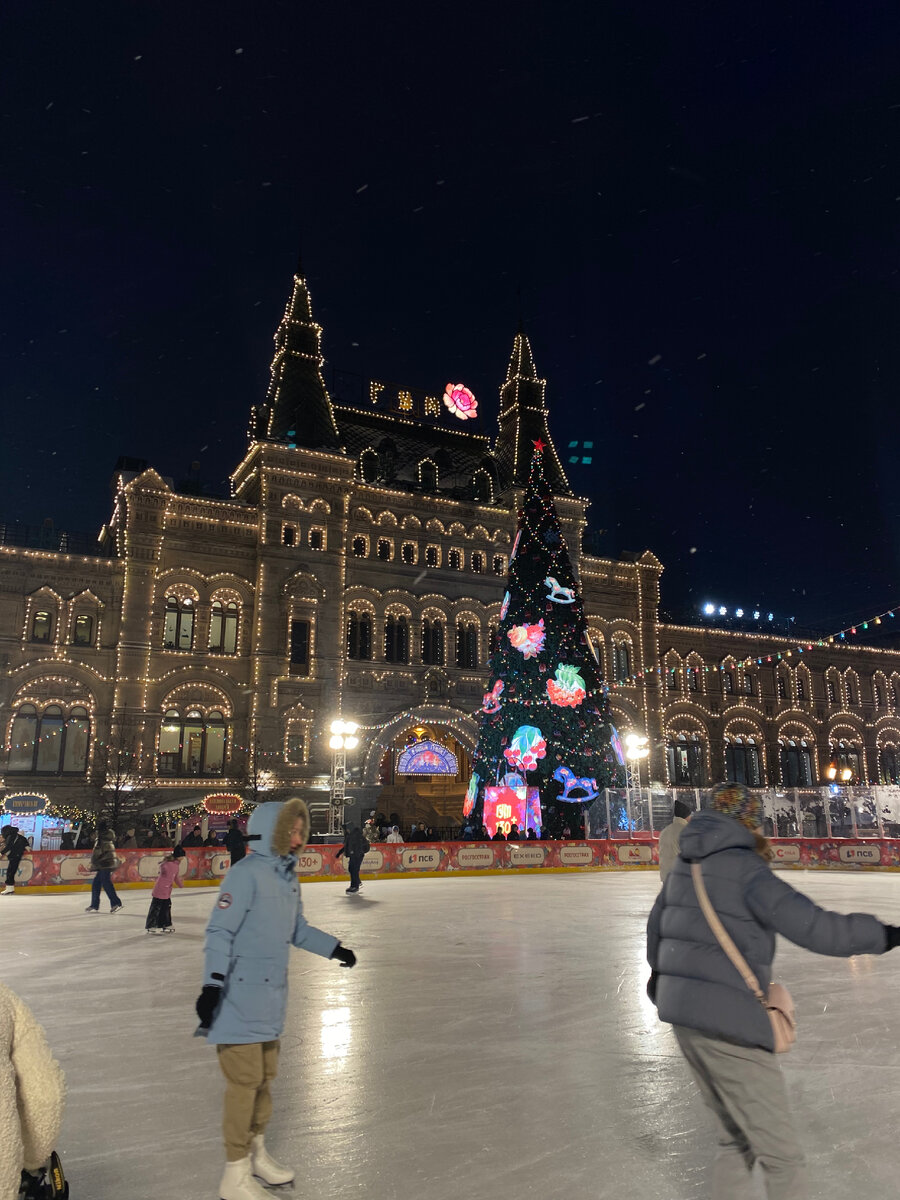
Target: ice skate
point(265, 1167)
point(115, 908)
point(352, 891)
point(238, 1183)
point(7, 891)
point(90, 909)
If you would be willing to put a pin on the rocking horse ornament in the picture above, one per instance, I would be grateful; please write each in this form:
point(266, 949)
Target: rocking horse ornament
point(575, 791)
point(557, 593)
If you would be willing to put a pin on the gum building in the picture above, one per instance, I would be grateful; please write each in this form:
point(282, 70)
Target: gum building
point(357, 570)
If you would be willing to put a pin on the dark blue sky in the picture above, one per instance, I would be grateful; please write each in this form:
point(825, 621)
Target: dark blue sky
point(699, 205)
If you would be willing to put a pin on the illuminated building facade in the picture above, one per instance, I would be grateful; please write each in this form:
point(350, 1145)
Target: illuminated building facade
point(357, 570)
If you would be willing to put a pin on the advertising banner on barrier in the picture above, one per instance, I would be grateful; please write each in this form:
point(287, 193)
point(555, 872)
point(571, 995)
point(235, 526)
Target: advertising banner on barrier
point(72, 868)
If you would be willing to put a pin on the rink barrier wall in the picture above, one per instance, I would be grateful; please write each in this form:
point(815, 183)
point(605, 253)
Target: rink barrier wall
point(69, 870)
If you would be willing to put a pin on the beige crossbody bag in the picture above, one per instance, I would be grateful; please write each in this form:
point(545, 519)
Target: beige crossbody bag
point(778, 1003)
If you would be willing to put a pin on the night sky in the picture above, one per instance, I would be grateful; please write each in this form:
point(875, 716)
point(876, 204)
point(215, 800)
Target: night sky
point(695, 208)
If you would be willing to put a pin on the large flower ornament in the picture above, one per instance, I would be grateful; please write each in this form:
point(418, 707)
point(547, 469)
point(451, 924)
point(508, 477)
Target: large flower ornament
point(528, 638)
point(568, 688)
point(460, 401)
point(527, 746)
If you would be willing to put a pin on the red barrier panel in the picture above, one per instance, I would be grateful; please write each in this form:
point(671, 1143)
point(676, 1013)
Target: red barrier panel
point(70, 869)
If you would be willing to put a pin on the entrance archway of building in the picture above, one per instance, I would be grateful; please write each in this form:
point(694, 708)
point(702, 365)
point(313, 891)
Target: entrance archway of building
point(443, 723)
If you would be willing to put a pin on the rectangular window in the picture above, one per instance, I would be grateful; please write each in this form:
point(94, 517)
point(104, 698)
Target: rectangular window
point(432, 556)
point(296, 747)
point(498, 564)
point(727, 682)
point(300, 647)
point(801, 688)
point(748, 684)
point(288, 535)
point(408, 553)
point(317, 539)
point(385, 550)
point(84, 630)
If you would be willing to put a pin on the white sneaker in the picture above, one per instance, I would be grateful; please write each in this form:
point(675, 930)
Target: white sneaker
point(238, 1183)
point(265, 1167)
point(7, 891)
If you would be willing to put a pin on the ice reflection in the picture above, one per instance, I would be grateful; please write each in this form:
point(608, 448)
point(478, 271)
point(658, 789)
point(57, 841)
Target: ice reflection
point(336, 1032)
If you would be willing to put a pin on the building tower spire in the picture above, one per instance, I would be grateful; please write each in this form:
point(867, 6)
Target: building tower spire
point(297, 407)
point(523, 421)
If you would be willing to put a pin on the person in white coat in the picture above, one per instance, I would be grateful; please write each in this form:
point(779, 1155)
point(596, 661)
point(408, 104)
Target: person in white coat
point(670, 839)
point(395, 835)
point(32, 1094)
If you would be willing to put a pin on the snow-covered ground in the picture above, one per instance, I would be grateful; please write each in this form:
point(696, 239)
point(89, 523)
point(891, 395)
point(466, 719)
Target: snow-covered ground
point(494, 1041)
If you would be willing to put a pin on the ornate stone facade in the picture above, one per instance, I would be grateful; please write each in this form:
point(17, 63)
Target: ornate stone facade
point(359, 573)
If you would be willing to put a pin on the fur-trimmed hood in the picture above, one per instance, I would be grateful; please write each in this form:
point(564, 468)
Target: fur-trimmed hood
point(270, 825)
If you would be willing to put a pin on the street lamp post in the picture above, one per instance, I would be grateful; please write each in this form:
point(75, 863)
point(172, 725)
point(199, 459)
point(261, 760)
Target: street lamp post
point(343, 738)
point(637, 748)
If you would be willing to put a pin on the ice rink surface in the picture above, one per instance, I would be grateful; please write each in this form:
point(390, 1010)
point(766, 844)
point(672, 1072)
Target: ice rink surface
point(494, 1042)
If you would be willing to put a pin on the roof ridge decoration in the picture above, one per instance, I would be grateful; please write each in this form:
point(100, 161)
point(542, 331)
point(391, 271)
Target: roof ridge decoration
point(523, 421)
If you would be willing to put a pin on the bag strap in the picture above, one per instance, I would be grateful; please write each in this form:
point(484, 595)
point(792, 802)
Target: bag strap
point(721, 935)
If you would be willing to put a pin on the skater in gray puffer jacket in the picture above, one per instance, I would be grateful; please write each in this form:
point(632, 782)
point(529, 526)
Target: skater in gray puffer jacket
point(723, 1030)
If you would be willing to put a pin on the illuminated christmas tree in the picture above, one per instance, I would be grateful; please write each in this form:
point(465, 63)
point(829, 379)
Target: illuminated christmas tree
point(547, 738)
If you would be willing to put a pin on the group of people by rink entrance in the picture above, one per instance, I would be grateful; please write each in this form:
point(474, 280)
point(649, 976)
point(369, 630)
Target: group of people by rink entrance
point(710, 945)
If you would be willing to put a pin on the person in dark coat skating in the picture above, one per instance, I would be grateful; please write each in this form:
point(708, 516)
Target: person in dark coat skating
point(14, 846)
point(235, 842)
point(722, 1027)
point(354, 850)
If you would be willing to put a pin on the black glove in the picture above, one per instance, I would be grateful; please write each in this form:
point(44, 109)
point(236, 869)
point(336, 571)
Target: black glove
point(207, 1003)
point(346, 957)
point(892, 935)
point(651, 986)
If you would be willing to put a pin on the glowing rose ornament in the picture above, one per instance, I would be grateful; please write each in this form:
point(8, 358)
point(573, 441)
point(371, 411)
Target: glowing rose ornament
point(460, 401)
point(528, 638)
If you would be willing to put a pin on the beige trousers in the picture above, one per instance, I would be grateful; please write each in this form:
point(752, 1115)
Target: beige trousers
point(248, 1071)
point(744, 1088)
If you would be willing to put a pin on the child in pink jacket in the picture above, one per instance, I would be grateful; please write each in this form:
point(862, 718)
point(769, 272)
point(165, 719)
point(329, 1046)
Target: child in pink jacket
point(159, 918)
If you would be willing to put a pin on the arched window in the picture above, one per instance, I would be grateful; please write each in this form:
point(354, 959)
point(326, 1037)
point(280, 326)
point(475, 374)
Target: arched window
point(748, 684)
point(796, 762)
point(360, 546)
point(684, 753)
point(179, 627)
point(41, 626)
point(433, 642)
point(396, 638)
point(384, 550)
point(889, 763)
point(83, 630)
point(408, 553)
point(428, 476)
point(481, 486)
point(359, 634)
point(847, 756)
point(454, 560)
point(742, 761)
point(47, 743)
point(223, 627)
point(192, 744)
point(621, 662)
point(728, 681)
point(693, 676)
point(478, 562)
point(368, 466)
point(467, 644)
point(851, 692)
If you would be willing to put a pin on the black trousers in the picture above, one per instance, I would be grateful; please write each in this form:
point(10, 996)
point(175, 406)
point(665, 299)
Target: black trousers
point(354, 862)
point(160, 914)
point(11, 869)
